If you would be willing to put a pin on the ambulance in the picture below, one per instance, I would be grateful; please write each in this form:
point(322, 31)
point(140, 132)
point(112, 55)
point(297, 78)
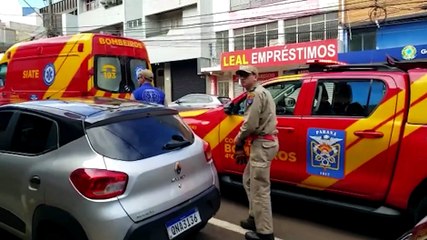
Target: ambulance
point(352, 136)
point(80, 65)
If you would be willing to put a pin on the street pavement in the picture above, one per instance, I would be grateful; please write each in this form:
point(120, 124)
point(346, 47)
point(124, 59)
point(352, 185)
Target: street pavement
point(296, 220)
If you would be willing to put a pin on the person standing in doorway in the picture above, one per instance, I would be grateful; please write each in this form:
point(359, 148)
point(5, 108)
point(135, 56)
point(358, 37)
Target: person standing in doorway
point(259, 127)
point(147, 92)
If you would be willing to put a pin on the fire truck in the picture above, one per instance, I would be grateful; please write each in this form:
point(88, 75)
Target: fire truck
point(350, 135)
point(80, 65)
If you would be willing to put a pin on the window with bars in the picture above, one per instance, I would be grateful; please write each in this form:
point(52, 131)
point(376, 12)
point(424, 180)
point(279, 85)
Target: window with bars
point(221, 43)
point(311, 28)
point(256, 36)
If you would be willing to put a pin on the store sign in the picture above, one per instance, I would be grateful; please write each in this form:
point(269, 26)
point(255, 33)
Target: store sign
point(267, 75)
point(297, 53)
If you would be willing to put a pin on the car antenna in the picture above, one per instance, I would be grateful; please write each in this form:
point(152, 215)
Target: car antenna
point(59, 69)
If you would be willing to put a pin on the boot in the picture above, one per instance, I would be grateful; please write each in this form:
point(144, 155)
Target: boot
point(248, 223)
point(258, 236)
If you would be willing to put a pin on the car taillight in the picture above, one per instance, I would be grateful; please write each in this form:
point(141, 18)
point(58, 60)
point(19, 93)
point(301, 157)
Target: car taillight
point(98, 183)
point(207, 150)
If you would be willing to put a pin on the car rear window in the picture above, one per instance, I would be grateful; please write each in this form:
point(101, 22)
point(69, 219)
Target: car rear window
point(140, 138)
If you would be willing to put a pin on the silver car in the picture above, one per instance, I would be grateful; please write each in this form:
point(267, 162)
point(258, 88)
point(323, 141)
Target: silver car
point(102, 169)
point(198, 100)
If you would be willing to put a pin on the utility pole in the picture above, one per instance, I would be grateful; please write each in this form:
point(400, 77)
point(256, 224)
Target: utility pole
point(50, 31)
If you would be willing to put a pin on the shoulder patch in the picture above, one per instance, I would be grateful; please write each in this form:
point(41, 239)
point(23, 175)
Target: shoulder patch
point(250, 98)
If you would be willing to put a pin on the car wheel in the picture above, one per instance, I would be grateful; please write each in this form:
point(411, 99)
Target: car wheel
point(55, 234)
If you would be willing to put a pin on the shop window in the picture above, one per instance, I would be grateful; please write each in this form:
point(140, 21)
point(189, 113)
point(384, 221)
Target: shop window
point(363, 39)
point(357, 98)
point(223, 88)
point(256, 36)
point(316, 27)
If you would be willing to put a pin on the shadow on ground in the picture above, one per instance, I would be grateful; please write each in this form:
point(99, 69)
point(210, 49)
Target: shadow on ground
point(366, 224)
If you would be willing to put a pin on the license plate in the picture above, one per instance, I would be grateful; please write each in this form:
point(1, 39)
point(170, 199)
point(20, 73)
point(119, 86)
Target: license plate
point(181, 224)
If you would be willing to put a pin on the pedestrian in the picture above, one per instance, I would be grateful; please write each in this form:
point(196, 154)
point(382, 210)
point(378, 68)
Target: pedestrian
point(147, 92)
point(259, 128)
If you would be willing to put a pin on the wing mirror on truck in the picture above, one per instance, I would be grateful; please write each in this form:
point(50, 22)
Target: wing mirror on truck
point(1, 83)
point(228, 108)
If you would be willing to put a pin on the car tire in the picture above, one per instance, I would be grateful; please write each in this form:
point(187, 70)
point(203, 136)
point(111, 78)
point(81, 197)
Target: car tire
point(56, 234)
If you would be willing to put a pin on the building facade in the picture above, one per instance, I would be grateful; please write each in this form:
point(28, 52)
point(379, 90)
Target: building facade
point(392, 28)
point(272, 35)
point(177, 35)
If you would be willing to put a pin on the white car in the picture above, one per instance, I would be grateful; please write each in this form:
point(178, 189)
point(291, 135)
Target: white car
point(199, 100)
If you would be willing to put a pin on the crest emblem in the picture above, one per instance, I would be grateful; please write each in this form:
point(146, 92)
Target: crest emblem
point(49, 74)
point(325, 150)
point(178, 168)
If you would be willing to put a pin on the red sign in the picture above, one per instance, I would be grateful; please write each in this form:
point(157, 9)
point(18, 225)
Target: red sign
point(297, 53)
point(267, 75)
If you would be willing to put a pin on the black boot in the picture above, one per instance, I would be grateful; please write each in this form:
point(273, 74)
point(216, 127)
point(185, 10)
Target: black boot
point(258, 236)
point(248, 223)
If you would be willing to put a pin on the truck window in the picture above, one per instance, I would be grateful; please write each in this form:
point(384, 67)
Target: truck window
point(108, 73)
point(348, 97)
point(136, 65)
point(285, 95)
point(3, 70)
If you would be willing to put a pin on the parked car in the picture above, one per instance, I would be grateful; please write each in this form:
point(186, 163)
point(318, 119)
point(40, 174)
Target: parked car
point(198, 100)
point(349, 135)
point(102, 169)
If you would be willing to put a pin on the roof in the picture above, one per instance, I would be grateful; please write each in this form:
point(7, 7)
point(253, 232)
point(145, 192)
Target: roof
point(92, 109)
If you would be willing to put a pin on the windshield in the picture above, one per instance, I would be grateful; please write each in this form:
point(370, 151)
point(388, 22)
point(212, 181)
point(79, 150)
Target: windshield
point(140, 138)
point(117, 74)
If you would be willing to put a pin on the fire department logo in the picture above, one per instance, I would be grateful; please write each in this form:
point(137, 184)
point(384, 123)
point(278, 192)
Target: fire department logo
point(325, 152)
point(49, 74)
point(409, 52)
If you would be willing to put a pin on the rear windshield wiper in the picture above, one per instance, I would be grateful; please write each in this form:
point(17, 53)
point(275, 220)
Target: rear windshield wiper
point(176, 142)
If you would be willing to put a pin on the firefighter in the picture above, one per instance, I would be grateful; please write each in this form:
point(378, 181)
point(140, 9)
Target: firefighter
point(146, 92)
point(258, 128)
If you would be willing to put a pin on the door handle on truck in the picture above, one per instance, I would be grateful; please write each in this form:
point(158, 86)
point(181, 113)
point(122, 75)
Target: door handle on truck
point(287, 129)
point(369, 134)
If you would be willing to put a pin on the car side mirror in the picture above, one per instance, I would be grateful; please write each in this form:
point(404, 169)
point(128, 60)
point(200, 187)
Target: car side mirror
point(228, 108)
point(1, 83)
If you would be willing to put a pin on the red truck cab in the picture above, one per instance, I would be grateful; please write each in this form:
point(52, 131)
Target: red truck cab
point(349, 135)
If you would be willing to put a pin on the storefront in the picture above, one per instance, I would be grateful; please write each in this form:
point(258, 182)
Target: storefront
point(271, 62)
point(408, 52)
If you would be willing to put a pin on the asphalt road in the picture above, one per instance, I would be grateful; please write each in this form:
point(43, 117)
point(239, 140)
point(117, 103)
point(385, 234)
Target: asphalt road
point(296, 220)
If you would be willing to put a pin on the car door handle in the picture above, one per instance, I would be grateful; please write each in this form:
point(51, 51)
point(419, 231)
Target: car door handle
point(369, 134)
point(287, 129)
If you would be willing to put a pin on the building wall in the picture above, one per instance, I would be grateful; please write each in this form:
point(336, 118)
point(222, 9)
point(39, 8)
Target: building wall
point(99, 17)
point(70, 24)
point(182, 42)
point(159, 6)
point(357, 11)
point(403, 34)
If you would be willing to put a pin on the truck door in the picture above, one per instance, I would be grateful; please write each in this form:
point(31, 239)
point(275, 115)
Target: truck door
point(288, 96)
point(349, 130)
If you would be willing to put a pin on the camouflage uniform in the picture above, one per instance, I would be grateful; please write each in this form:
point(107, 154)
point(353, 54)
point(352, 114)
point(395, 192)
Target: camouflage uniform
point(260, 126)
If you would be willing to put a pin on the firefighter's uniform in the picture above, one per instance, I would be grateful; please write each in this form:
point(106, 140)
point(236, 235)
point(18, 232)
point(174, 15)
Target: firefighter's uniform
point(259, 127)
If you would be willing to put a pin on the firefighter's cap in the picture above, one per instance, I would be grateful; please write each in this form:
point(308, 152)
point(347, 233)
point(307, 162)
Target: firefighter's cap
point(247, 69)
point(146, 74)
